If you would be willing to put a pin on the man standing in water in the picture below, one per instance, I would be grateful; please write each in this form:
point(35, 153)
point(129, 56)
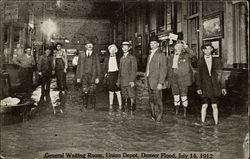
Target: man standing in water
point(180, 74)
point(26, 62)
point(127, 77)
point(209, 84)
point(44, 66)
point(156, 72)
point(88, 73)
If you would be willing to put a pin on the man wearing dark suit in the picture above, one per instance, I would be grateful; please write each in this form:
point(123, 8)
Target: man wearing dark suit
point(88, 73)
point(209, 83)
point(44, 67)
point(156, 72)
point(127, 76)
point(180, 74)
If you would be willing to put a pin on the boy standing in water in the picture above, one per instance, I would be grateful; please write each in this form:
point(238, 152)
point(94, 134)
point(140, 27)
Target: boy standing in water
point(209, 84)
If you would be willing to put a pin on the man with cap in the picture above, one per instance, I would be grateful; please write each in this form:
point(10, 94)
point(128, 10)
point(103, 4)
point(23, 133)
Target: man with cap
point(127, 77)
point(180, 74)
point(88, 73)
point(60, 64)
point(156, 72)
point(111, 71)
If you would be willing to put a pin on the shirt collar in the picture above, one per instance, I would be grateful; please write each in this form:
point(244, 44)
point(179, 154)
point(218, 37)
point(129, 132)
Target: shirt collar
point(177, 54)
point(208, 57)
point(154, 50)
point(89, 51)
point(125, 54)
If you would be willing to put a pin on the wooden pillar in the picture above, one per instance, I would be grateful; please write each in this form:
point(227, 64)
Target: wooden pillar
point(1, 34)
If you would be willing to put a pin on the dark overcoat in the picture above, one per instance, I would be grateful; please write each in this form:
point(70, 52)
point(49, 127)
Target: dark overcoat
point(127, 70)
point(203, 78)
point(94, 66)
point(157, 69)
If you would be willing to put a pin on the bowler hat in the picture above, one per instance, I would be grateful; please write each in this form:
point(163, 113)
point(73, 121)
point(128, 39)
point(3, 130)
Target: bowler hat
point(89, 42)
point(154, 38)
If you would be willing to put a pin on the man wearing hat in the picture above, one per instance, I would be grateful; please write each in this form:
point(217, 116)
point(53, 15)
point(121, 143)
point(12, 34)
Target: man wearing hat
point(127, 76)
point(60, 64)
point(156, 71)
point(88, 73)
point(180, 74)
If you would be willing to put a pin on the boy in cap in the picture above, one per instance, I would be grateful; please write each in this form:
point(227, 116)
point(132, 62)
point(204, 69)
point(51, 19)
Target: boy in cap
point(180, 74)
point(127, 76)
point(60, 64)
point(156, 72)
point(209, 84)
point(88, 73)
point(111, 71)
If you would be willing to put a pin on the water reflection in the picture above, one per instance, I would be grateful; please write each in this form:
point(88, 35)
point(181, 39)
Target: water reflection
point(103, 131)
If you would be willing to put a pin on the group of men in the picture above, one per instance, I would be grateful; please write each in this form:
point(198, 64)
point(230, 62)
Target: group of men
point(47, 66)
point(161, 72)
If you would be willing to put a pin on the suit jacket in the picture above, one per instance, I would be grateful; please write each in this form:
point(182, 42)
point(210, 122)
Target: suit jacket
point(203, 78)
point(127, 70)
point(45, 64)
point(184, 72)
point(95, 66)
point(157, 69)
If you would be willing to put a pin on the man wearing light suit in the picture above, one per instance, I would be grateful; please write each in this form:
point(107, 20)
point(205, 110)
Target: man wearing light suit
point(156, 72)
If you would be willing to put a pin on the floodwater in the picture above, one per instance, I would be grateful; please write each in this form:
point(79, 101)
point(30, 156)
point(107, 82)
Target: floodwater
point(101, 131)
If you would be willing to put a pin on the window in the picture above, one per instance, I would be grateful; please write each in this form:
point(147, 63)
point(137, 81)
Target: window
point(193, 34)
point(193, 25)
point(160, 17)
point(193, 7)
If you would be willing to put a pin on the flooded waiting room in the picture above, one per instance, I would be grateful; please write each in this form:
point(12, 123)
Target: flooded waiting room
point(124, 79)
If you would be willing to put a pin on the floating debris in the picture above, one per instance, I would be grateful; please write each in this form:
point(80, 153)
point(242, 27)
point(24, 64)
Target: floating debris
point(9, 101)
